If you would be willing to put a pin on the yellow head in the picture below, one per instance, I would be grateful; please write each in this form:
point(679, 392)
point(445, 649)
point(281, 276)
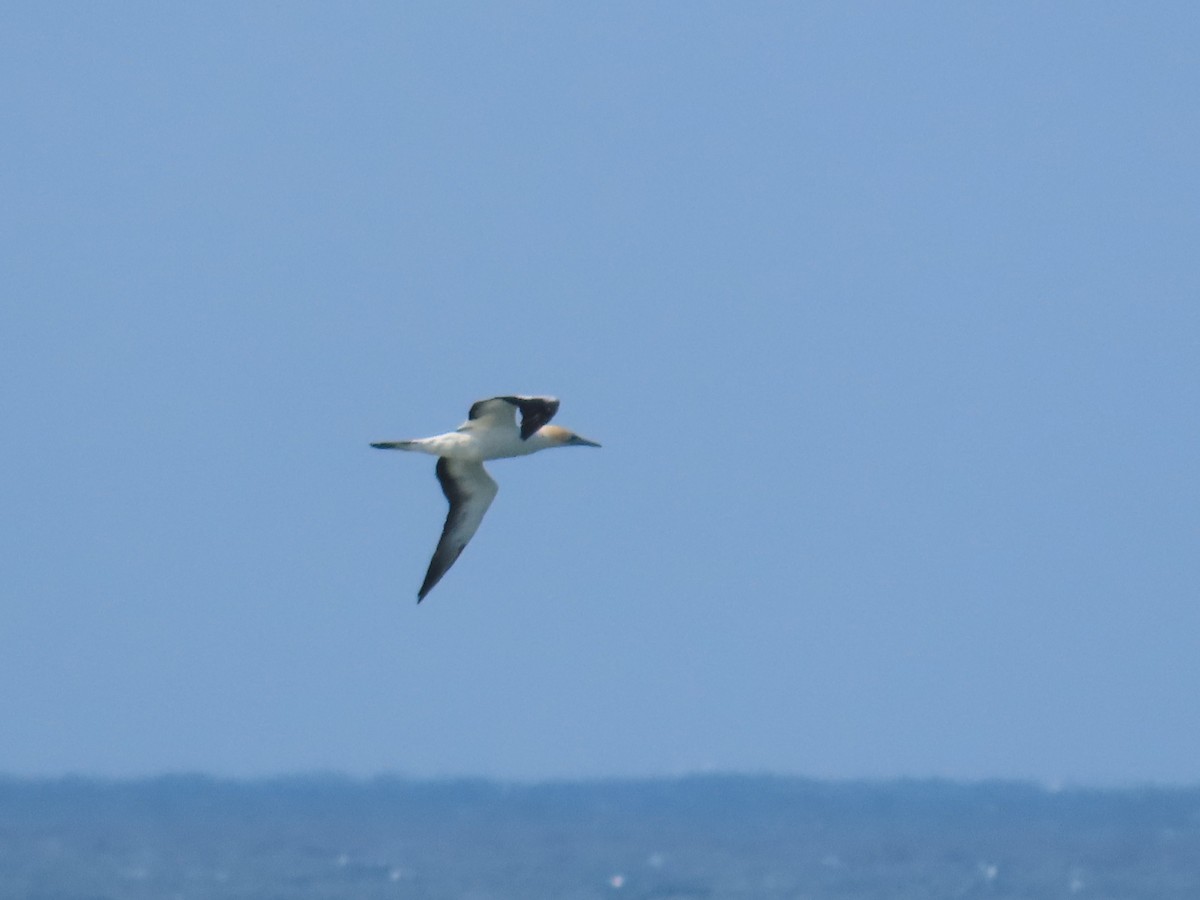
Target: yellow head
point(554, 436)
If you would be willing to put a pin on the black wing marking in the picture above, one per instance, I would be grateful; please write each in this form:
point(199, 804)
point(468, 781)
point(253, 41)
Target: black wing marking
point(470, 491)
point(535, 411)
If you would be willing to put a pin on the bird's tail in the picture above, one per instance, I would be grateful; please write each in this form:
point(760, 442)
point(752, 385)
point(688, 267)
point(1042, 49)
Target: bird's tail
point(394, 445)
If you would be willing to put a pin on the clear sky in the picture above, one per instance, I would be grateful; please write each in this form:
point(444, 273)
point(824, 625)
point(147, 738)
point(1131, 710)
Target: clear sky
point(887, 316)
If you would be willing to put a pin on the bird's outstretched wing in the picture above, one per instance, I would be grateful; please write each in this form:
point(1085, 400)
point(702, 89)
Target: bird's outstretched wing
point(535, 412)
point(470, 491)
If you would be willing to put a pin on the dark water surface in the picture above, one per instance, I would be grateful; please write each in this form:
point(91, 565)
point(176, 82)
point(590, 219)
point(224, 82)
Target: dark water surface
point(698, 837)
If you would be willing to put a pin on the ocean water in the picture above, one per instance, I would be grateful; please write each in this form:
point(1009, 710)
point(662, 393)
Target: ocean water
point(710, 837)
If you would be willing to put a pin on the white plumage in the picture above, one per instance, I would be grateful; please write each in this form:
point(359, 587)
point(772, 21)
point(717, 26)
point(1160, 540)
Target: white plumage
point(490, 432)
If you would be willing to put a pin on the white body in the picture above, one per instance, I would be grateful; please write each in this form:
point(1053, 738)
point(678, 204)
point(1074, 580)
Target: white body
point(491, 432)
point(473, 444)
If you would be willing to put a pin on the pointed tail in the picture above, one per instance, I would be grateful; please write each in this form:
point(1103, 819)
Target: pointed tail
point(394, 445)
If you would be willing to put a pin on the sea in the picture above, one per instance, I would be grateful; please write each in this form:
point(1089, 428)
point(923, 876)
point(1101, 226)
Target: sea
point(687, 838)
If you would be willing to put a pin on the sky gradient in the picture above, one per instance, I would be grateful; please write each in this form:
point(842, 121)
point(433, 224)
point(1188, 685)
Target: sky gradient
point(887, 317)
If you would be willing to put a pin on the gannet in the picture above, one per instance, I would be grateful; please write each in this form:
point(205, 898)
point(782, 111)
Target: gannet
point(490, 432)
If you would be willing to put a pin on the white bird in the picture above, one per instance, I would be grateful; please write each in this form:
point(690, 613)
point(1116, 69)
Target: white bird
point(490, 432)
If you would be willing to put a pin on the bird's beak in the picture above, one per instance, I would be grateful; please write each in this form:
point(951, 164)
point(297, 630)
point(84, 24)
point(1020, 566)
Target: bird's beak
point(577, 441)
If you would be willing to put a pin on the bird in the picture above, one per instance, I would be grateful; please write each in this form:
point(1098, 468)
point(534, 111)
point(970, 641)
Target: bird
point(490, 432)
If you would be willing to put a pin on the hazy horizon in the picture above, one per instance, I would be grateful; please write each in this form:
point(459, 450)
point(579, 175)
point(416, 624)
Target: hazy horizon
point(700, 839)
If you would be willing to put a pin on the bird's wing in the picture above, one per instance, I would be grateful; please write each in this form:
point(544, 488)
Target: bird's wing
point(501, 412)
point(470, 491)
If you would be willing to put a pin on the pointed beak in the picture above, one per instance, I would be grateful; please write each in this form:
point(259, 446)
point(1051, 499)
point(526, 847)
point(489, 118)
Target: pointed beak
point(577, 441)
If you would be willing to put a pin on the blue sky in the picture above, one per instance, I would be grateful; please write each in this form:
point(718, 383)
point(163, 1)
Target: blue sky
point(886, 315)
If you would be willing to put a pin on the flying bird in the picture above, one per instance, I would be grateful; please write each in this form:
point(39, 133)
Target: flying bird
point(490, 432)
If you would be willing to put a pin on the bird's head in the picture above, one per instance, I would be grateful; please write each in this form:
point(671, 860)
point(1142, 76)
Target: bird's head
point(554, 436)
